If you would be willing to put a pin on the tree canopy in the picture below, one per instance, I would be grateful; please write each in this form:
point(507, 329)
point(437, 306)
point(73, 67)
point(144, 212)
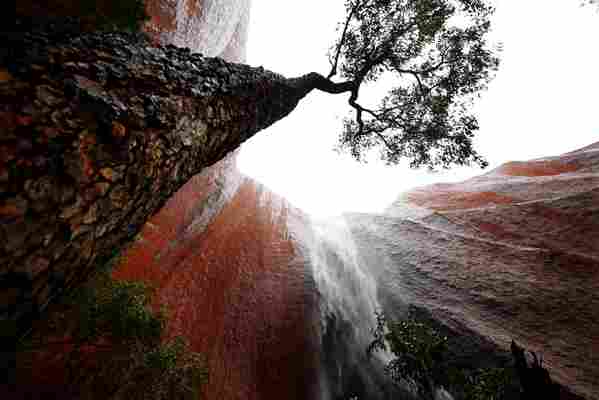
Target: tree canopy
point(439, 56)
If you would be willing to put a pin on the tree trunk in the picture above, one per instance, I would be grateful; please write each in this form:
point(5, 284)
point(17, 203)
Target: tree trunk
point(96, 133)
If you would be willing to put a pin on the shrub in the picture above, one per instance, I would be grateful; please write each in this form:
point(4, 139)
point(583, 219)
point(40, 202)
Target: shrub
point(113, 345)
point(420, 359)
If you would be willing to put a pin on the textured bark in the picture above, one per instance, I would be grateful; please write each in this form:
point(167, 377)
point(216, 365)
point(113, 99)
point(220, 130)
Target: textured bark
point(96, 133)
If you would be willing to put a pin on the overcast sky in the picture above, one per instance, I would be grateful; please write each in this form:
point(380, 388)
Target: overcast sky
point(543, 102)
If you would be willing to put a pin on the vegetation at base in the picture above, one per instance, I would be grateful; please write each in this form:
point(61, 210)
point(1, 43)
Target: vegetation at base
point(420, 361)
point(110, 343)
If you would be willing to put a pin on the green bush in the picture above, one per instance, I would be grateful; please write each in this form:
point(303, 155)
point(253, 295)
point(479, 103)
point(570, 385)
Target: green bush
point(117, 309)
point(115, 345)
point(420, 359)
point(488, 384)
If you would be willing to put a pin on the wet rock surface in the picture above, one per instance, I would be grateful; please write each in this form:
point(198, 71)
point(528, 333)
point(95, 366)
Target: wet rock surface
point(219, 252)
point(212, 27)
point(237, 289)
point(97, 131)
point(512, 254)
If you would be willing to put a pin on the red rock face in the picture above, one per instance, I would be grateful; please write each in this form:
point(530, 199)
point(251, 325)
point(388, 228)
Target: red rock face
point(442, 200)
point(539, 168)
point(219, 252)
point(188, 211)
point(227, 269)
point(216, 28)
point(240, 295)
point(510, 254)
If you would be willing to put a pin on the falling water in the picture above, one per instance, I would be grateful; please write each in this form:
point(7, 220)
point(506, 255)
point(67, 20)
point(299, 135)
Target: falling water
point(346, 293)
point(347, 296)
point(346, 289)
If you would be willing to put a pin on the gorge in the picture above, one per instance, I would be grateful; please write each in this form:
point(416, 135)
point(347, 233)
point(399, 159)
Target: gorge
point(283, 305)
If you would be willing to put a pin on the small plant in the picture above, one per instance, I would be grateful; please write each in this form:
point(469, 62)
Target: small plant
point(420, 360)
point(111, 340)
point(179, 367)
point(488, 384)
point(418, 351)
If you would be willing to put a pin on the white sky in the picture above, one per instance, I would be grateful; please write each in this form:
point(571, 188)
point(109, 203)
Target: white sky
point(542, 102)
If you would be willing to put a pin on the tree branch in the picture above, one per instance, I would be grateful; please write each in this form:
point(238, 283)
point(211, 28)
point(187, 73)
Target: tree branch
point(352, 102)
point(370, 112)
point(385, 142)
point(314, 80)
point(342, 40)
point(325, 85)
point(415, 74)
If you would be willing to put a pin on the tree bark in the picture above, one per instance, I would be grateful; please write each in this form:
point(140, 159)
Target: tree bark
point(96, 132)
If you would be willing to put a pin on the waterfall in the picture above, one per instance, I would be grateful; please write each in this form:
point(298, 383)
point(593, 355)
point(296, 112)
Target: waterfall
point(347, 297)
point(326, 260)
point(346, 290)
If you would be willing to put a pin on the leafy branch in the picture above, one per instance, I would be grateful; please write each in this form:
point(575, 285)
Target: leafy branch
point(437, 54)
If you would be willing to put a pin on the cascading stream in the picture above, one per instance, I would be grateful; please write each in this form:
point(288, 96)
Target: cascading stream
point(347, 301)
point(346, 289)
point(333, 271)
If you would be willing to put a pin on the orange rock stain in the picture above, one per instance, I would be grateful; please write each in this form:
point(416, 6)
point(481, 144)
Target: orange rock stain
point(536, 168)
point(444, 201)
point(162, 18)
point(236, 292)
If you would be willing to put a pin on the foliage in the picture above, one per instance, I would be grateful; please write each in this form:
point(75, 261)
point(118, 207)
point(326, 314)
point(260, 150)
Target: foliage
point(114, 346)
point(420, 360)
point(117, 309)
point(179, 367)
point(417, 349)
point(488, 384)
point(436, 51)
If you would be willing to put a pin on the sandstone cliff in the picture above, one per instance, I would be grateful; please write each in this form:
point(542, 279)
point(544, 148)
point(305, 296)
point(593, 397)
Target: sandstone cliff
point(510, 254)
point(243, 273)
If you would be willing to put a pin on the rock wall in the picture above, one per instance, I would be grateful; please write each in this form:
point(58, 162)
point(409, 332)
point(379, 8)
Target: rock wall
point(224, 261)
point(215, 28)
point(239, 292)
point(97, 132)
point(510, 254)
